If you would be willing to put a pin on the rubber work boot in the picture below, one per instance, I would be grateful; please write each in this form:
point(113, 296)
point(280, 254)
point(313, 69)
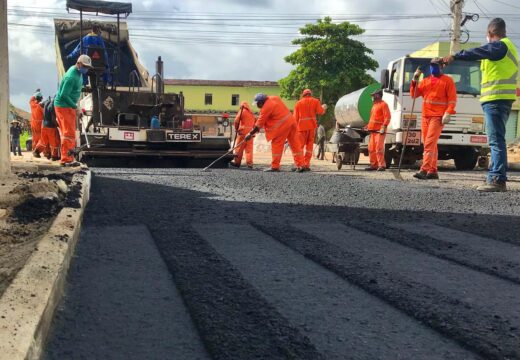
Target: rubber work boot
point(306, 169)
point(271, 170)
point(293, 169)
point(250, 167)
point(432, 176)
point(493, 186)
point(381, 168)
point(300, 170)
point(370, 168)
point(421, 175)
point(55, 158)
point(232, 164)
point(36, 154)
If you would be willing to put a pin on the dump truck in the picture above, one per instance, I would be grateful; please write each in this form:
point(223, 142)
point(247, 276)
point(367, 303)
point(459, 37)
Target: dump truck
point(125, 112)
point(463, 139)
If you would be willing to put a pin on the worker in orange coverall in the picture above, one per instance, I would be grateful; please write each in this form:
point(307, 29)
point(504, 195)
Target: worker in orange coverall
point(279, 126)
point(49, 142)
point(305, 112)
point(379, 120)
point(244, 123)
point(36, 119)
point(439, 99)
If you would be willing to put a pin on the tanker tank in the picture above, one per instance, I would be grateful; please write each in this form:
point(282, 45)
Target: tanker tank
point(354, 108)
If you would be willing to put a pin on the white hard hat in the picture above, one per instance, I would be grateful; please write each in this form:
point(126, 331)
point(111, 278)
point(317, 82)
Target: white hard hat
point(85, 60)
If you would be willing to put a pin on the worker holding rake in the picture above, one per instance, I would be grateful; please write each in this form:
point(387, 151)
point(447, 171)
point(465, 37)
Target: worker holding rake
point(439, 100)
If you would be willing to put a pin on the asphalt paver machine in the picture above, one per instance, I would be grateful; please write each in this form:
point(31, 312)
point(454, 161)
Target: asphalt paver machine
point(125, 112)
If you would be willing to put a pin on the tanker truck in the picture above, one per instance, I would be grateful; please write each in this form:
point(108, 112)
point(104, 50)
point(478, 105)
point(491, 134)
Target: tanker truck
point(463, 139)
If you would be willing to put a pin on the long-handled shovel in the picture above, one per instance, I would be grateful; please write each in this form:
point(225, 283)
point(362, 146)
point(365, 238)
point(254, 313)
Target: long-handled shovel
point(397, 174)
point(223, 156)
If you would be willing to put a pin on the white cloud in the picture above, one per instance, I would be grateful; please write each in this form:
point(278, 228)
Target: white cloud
point(32, 53)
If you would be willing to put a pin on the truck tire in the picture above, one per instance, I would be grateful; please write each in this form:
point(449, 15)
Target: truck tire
point(466, 159)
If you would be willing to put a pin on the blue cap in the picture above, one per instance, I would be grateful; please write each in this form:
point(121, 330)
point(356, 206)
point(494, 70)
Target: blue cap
point(260, 97)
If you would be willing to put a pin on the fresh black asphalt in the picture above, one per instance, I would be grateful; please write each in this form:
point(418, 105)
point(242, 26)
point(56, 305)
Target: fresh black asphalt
point(184, 264)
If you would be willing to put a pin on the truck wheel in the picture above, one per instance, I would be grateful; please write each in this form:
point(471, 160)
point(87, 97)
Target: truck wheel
point(466, 159)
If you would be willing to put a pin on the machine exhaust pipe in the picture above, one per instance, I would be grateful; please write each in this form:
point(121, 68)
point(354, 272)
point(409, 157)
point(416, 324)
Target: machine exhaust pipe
point(159, 69)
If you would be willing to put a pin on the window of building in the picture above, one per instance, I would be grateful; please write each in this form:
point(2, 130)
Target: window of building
point(235, 98)
point(208, 99)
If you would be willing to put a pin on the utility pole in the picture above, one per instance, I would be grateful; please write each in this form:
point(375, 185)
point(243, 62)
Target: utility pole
point(456, 14)
point(5, 163)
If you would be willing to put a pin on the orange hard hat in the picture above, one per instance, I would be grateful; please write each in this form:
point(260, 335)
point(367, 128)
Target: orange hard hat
point(307, 92)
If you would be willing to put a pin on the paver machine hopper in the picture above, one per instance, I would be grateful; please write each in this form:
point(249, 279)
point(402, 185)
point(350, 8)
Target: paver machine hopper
point(125, 113)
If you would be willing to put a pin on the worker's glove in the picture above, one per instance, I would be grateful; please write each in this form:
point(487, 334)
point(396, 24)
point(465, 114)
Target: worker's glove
point(446, 119)
point(324, 107)
point(448, 59)
point(383, 130)
point(252, 133)
point(417, 74)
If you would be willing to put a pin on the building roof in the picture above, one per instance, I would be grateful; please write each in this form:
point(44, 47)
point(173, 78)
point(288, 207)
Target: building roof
point(233, 83)
point(440, 48)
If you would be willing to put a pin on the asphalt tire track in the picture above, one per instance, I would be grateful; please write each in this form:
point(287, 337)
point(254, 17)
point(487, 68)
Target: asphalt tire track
point(488, 335)
point(233, 319)
point(444, 249)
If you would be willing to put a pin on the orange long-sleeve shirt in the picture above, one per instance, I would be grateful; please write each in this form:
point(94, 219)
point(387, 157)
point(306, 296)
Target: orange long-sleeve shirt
point(245, 119)
point(305, 112)
point(36, 110)
point(379, 116)
point(439, 94)
point(274, 116)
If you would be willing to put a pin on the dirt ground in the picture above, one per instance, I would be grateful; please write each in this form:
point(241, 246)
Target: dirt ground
point(29, 201)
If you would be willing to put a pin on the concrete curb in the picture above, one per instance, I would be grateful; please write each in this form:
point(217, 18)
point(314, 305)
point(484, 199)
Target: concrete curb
point(28, 304)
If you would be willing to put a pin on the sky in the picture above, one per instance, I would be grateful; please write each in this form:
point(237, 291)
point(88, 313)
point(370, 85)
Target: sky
point(238, 39)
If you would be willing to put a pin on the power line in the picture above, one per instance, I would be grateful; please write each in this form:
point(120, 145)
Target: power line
point(505, 3)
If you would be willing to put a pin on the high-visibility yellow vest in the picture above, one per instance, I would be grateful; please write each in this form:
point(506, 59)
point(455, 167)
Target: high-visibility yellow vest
point(499, 78)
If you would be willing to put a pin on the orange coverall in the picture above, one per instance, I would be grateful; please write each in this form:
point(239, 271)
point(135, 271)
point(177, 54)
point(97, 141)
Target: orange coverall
point(279, 126)
point(36, 121)
point(244, 123)
point(49, 139)
point(305, 113)
point(379, 116)
point(66, 118)
point(439, 97)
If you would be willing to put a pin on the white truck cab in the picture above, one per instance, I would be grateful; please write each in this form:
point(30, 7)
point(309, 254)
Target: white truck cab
point(463, 139)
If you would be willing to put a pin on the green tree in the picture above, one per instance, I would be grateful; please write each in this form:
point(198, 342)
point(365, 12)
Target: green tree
point(329, 62)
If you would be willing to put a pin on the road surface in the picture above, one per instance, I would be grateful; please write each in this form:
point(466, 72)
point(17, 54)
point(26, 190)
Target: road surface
point(236, 264)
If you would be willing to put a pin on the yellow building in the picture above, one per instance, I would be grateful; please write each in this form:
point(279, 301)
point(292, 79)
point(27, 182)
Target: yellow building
point(441, 49)
point(207, 100)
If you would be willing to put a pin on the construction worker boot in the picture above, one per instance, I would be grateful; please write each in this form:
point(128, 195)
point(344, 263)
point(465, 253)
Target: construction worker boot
point(493, 186)
point(271, 170)
point(370, 168)
point(432, 176)
point(381, 168)
point(233, 164)
point(421, 175)
point(36, 154)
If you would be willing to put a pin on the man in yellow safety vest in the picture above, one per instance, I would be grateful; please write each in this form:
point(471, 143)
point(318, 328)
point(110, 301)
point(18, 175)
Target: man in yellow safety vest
point(498, 92)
